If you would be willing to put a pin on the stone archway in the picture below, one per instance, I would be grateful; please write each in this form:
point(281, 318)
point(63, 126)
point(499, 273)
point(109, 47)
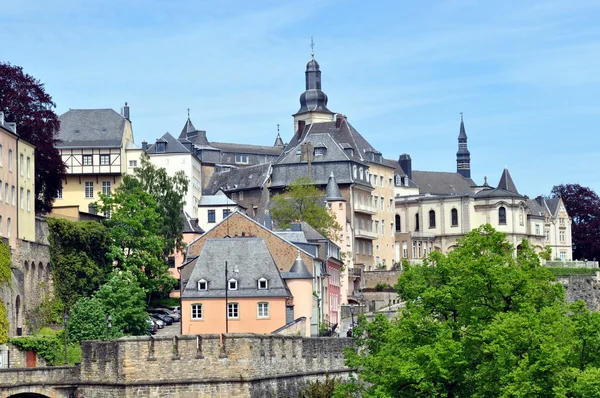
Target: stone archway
point(28, 395)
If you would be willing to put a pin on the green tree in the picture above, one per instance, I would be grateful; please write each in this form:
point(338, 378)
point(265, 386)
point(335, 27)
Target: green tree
point(5, 277)
point(169, 193)
point(479, 323)
point(136, 231)
point(303, 201)
point(124, 300)
point(87, 320)
point(79, 258)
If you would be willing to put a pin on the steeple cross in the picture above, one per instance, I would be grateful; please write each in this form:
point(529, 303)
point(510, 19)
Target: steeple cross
point(312, 47)
point(277, 128)
point(188, 112)
point(461, 115)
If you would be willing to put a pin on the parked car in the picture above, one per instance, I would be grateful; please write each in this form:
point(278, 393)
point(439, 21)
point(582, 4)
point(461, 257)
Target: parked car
point(176, 309)
point(167, 320)
point(163, 311)
point(151, 328)
point(159, 322)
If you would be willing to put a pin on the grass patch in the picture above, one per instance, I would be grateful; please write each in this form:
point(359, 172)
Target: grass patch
point(566, 271)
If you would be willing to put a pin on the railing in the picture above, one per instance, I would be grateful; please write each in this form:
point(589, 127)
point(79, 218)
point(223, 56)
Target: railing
point(356, 272)
point(360, 207)
point(572, 264)
point(363, 233)
point(422, 235)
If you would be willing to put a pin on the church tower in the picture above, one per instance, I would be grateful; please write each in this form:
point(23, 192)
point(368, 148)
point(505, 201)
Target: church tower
point(463, 157)
point(313, 102)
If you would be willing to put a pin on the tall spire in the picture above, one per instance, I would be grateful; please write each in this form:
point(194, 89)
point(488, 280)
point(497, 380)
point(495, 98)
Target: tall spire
point(313, 99)
point(463, 156)
point(278, 140)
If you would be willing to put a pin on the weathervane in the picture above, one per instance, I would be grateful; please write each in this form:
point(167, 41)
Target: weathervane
point(312, 47)
point(277, 128)
point(188, 112)
point(461, 116)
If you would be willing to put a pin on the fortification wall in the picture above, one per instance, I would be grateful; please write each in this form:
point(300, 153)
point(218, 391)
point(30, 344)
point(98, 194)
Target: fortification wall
point(583, 287)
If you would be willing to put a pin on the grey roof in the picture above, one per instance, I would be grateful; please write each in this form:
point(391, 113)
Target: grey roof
point(278, 141)
point(310, 233)
point(497, 193)
point(172, 145)
point(536, 206)
point(462, 134)
point(190, 225)
point(249, 177)
point(132, 145)
point(332, 192)
point(313, 99)
point(187, 128)
point(552, 204)
point(506, 182)
point(91, 128)
point(218, 199)
point(442, 183)
point(298, 270)
point(249, 255)
point(247, 149)
point(292, 236)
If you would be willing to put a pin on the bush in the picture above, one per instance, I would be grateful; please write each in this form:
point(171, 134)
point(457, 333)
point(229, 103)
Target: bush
point(318, 389)
point(567, 271)
point(87, 320)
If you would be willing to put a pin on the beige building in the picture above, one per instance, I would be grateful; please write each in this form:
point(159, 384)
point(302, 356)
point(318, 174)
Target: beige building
point(212, 209)
point(93, 146)
point(8, 181)
point(26, 191)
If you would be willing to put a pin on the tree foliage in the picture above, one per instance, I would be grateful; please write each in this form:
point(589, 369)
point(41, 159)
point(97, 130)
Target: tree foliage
point(5, 278)
point(303, 201)
point(583, 206)
point(169, 193)
point(79, 258)
point(24, 100)
point(137, 240)
point(479, 323)
point(87, 320)
point(124, 300)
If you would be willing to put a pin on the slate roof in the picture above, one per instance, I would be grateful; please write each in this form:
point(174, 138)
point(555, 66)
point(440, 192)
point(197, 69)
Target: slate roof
point(292, 236)
point(91, 128)
point(249, 177)
point(497, 193)
point(442, 183)
point(187, 128)
point(278, 141)
point(249, 255)
point(298, 270)
point(310, 233)
point(247, 149)
point(190, 225)
point(218, 199)
point(334, 152)
point(332, 192)
point(506, 182)
point(399, 172)
point(172, 145)
point(552, 205)
point(536, 206)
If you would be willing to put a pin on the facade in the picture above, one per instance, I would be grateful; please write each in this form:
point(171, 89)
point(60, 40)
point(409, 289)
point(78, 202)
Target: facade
point(212, 209)
point(557, 226)
point(191, 232)
point(26, 191)
point(93, 144)
point(8, 181)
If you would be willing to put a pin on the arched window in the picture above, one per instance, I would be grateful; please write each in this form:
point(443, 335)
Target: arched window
point(417, 222)
point(398, 227)
point(360, 172)
point(431, 219)
point(502, 216)
point(354, 170)
point(454, 216)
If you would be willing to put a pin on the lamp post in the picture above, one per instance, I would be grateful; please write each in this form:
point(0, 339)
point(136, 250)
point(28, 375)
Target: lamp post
point(227, 296)
point(108, 325)
point(66, 323)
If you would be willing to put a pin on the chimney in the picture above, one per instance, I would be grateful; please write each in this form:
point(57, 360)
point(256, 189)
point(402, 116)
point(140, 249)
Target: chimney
point(144, 145)
point(296, 226)
point(12, 126)
point(406, 164)
point(1, 118)
point(338, 120)
point(126, 111)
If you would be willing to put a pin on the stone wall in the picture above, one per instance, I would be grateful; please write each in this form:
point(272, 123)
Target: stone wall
point(373, 278)
point(583, 287)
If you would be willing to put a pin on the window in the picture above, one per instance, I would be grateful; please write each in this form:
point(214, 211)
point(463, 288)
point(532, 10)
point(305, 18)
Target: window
point(196, 311)
point(0, 190)
point(354, 171)
point(21, 164)
point(161, 147)
point(263, 284)
point(381, 180)
point(361, 173)
point(10, 160)
point(13, 195)
point(202, 284)
point(243, 159)
point(537, 229)
point(376, 226)
point(60, 193)
point(397, 221)
point(263, 310)
point(241, 195)
point(0, 155)
point(382, 201)
point(8, 227)
point(547, 236)
point(364, 248)
point(6, 192)
point(232, 284)
point(563, 256)
point(104, 160)
point(89, 189)
point(320, 151)
point(404, 249)
point(22, 197)
point(382, 227)
point(87, 160)
point(211, 216)
point(376, 201)
point(106, 188)
point(431, 219)
point(226, 213)
point(561, 236)
point(28, 167)
point(357, 247)
point(454, 217)
point(502, 216)
point(133, 163)
point(417, 222)
point(170, 259)
point(233, 310)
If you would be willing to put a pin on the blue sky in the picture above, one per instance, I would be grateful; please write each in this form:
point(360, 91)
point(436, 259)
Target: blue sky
point(525, 73)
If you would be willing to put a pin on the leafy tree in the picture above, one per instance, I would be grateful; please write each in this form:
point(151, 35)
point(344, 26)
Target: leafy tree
point(583, 206)
point(24, 100)
point(123, 298)
point(320, 389)
point(479, 323)
point(87, 320)
point(169, 193)
point(79, 258)
point(5, 277)
point(302, 200)
point(137, 238)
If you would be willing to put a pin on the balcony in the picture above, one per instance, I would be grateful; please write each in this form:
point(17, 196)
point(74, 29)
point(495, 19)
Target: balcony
point(422, 235)
point(365, 209)
point(364, 234)
point(355, 272)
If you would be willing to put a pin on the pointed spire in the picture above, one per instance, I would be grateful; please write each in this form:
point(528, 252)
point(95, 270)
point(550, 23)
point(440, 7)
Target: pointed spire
point(332, 192)
point(188, 127)
point(462, 134)
point(506, 182)
point(278, 141)
point(463, 156)
point(299, 270)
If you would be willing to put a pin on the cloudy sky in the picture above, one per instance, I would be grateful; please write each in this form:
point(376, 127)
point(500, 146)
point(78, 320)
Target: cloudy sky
point(525, 73)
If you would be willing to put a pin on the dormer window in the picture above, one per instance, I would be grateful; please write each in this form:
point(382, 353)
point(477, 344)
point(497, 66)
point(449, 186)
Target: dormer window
point(320, 151)
point(202, 285)
point(398, 180)
point(161, 147)
point(263, 284)
point(349, 151)
point(232, 284)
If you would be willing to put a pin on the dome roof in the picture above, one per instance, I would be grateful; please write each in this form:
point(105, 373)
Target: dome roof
point(312, 66)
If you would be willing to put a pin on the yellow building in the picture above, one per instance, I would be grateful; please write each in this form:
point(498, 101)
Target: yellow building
point(93, 145)
point(8, 181)
point(26, 191)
